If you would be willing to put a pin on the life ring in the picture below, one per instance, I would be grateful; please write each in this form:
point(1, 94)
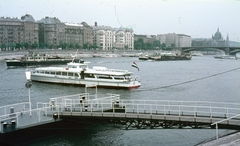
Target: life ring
point(66, 68)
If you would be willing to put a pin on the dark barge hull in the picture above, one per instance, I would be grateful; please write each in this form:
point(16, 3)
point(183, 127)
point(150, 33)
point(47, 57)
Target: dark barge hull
point(167, 58)
point(16, 63)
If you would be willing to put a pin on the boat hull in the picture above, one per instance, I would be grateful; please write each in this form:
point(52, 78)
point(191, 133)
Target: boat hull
point(83, 82)
point(15, 63)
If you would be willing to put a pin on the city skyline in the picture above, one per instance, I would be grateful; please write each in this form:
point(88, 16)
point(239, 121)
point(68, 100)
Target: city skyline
point(198, 19)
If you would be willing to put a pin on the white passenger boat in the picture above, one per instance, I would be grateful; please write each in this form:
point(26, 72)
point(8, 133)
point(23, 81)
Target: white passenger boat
point(80, 74)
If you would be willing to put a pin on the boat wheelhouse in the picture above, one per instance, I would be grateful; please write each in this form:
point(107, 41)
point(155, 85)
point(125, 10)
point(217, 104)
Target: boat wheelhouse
point(81, 74)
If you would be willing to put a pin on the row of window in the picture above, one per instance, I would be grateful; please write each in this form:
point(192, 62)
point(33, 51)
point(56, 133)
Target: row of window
point(70, 74)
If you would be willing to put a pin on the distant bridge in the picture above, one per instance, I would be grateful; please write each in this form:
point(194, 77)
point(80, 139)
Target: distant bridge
point(227, 50)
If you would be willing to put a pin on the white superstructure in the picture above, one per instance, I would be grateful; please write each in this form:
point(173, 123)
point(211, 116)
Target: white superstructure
point(80, 74)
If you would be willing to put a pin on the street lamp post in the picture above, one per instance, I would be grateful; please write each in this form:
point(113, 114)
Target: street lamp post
point(28, 85)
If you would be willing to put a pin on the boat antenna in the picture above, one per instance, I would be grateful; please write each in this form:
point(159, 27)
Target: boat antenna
point(74, 55)
point(73, 59)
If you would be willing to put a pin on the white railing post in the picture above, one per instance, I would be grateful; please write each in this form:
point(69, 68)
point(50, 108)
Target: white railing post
point(179, 111)
point(17, 122)
point(227, 113)
point(164, 110)
point(39, 116)
point(45, 106)
point(137, 109)
point(151, 109)
point(71, 104)
point(133, 106)
point(210, 110)
point(102, 106)
point(217, 130)
point(58, 112)
point(194, 111)
point(182, 108)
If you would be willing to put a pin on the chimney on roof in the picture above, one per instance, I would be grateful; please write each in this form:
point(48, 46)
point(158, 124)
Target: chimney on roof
point(95, 24)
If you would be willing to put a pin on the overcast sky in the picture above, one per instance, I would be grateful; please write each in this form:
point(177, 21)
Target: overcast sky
point(197, 18)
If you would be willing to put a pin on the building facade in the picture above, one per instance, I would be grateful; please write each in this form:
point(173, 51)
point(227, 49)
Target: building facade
point(74, 34)
point(15, 31)
point(87, 34)
point(104, 37)
point(124, 38)
point(184, 40)
point(175, 40)
point(108, 38)
point(52, 31)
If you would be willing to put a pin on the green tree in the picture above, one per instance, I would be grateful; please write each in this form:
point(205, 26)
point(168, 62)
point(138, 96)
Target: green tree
point(18, 45)
point(35, 45)
point(156, 44)
point(71, 46)
point(3, 46)
point(85, 46)
point(77, 46)
point(163, 45)
point(149, 45)
point(41, 45)
point(12, 46)
point(50, 46)
point(139, 44)
point(26, 45)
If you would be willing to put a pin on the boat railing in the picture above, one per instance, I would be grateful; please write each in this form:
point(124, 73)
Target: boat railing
point(112, 70)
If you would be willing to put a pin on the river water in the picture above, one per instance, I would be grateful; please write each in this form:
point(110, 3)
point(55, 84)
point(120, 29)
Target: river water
point(210, 80)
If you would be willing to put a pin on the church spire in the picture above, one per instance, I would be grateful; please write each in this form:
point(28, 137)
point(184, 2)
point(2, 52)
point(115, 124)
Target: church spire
point(227, 41)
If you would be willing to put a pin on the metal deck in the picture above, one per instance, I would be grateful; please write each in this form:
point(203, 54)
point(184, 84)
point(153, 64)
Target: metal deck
point(131, 113)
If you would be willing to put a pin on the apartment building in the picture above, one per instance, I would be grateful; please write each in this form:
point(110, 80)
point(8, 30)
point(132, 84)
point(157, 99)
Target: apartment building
point(176, 40)
point(184, 40)
point(124, 38)
point(52, 31)
point(104, 37)
point(74, 34)
point(87, 34)
point(14, 30)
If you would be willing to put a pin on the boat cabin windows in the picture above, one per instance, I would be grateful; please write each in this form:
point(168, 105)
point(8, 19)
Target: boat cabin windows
point(71, 74)
point(83, 66)
point(40, 71)
point(89, 76)
point(104, 77)
point(64, 73)
point(58, 73)
point(72, 66)
point(119, 78)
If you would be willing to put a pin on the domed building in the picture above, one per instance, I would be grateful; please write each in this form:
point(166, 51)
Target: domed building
point(218, 41)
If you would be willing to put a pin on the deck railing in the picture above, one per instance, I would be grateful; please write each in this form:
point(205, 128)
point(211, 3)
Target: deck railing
point(216, 123)
point(112, 104)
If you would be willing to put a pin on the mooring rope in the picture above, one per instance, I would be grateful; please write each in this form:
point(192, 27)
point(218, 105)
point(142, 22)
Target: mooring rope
point(191, 80)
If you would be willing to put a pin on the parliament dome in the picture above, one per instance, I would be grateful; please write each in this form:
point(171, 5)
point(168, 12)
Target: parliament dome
point(218, 35)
